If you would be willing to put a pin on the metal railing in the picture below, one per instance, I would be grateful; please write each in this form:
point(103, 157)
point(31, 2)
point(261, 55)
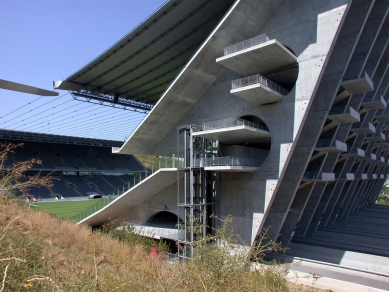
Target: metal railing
point(161, 162)
point(254, 79)
point(111, 197)
point(246, 44)
point(232, 122)
point(225, 161)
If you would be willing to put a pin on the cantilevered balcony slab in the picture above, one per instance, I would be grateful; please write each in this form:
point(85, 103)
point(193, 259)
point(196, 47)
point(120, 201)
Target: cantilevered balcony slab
point(349, 116)
point(363, 175)
point(234, 134)
point(337, 146)
point(375, 104)
point(374, 176)
point(368, 129)
point(263, 57)
point(382, 176)
point(258, 89)
point(376, 137)
point(359, 85)
point(357, 154)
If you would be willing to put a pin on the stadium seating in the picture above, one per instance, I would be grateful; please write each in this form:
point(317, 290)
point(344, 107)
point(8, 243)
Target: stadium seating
point(78, 169)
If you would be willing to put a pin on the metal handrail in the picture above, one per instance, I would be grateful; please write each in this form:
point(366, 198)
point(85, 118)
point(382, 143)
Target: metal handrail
point(225, 161)
point(109, 198)
point(254, 79)
point(246, 44)
point(231, 122)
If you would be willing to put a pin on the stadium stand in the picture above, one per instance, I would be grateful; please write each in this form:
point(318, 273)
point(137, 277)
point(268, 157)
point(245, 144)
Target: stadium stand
point(79, 169)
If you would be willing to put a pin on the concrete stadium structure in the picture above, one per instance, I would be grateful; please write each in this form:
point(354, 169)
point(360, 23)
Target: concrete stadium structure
point(274, 112)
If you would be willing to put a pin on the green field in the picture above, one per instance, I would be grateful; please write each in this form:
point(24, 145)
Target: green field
point(67, 209)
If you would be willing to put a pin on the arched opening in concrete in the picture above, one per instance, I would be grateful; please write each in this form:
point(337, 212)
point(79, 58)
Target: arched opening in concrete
point(163, 219)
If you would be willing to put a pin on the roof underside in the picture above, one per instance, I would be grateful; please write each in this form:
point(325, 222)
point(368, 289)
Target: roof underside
point(142, 64)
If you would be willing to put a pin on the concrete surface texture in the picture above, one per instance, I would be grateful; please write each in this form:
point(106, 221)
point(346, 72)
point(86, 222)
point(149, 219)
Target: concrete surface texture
point(323, 100)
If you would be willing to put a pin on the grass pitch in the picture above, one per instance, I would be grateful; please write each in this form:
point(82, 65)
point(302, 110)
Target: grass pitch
point(67, 209)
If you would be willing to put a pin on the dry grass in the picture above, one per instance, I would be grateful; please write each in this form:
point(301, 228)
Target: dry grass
point(41, 253)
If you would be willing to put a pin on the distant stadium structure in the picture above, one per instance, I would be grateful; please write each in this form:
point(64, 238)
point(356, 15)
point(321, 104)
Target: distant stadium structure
point(272, 111)
point(82, 167)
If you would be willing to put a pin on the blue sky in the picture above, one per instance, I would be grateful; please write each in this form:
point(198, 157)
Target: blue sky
point(45, 40)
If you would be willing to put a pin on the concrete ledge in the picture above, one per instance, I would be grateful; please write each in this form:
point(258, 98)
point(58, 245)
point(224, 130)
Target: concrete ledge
point(349, 116)
point(359, 85)
point(358, 153)
point(338, 146)
point(357, 129)
point(375, 104)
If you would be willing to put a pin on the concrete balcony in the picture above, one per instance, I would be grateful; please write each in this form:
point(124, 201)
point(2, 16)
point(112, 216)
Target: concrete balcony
point(375, 104)
point(315, 176)
point(227, 164)
point(359, 85)
point(326, 146)
point(258, 89)
point(256, 55)
point(232, 131)
point(374, 176)
point(382, 176)
point(363, 130)
point(359, 153)
point(349, 116)
point(377, 137)
point(382, 159)
point(364, 176)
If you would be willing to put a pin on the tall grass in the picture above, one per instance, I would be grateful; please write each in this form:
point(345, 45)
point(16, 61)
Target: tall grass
point(39, 252)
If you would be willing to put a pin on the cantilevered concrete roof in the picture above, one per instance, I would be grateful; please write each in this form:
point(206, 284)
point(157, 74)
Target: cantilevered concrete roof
point(143, 63)
point(192, 82)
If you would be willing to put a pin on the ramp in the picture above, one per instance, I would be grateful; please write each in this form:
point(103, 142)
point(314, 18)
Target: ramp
point(150, 186)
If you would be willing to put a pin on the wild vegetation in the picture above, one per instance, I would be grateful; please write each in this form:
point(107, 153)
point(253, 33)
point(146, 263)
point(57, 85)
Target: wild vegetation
point(40, 252)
